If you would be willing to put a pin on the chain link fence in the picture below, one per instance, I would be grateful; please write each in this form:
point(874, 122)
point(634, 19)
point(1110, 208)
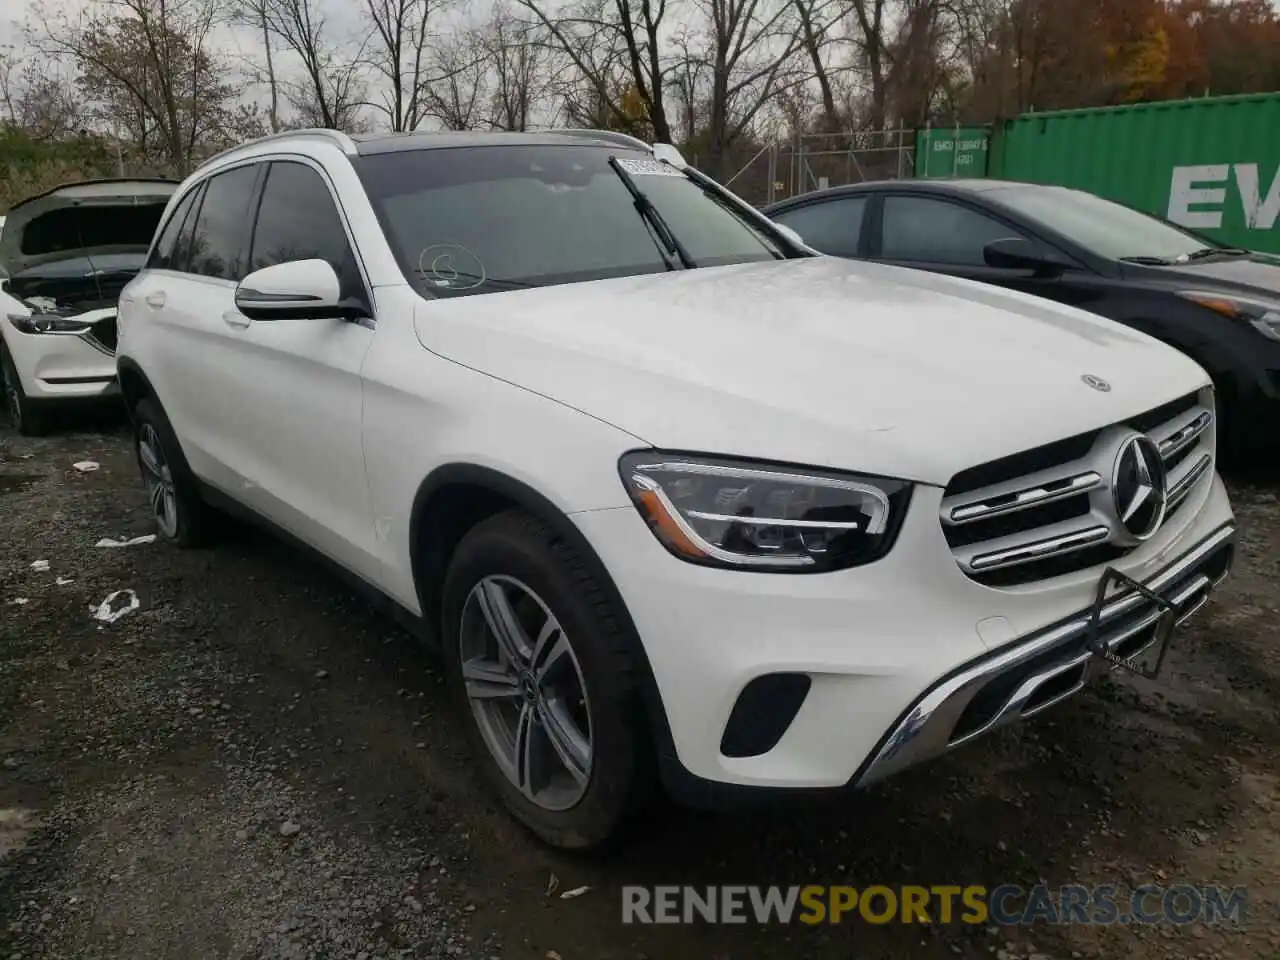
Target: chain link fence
point(817, 161)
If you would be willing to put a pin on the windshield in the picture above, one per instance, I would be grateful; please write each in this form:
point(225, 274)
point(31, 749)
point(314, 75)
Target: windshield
point(1104, 228)
point(473, 220)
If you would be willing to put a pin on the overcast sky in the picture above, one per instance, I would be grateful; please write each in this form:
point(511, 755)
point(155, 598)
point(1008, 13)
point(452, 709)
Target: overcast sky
point(19, 17)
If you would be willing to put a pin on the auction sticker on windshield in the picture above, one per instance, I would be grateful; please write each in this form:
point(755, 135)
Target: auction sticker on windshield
point(648, 168)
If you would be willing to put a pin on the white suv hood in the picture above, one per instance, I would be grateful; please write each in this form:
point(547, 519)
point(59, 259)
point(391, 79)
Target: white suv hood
point(824, 361)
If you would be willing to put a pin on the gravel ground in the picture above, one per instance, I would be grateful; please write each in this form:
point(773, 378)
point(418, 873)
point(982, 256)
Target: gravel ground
point(253, 763)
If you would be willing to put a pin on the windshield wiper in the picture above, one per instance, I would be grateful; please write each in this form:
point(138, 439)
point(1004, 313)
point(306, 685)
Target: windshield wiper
point(646, 209)
point(1204, 252)
point(1148, 261)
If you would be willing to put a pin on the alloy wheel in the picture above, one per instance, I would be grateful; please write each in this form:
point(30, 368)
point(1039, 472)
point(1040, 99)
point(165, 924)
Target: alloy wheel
point(158, 479)
point(526, 690)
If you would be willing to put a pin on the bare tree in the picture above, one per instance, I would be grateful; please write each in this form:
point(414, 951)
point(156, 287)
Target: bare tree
point(615, 47)
point(148, 66)
point(816, 20)
point(750, 58)
point(872, 41)
point(333, 91)
point(457, 96)
point(254, 13)
point(920, 59)
point(401, 57)
point(687, 80)
point(519, 65)
point(9, 68)
point(36, 98)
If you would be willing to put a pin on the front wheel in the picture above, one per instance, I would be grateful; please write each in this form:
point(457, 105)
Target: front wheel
point(26, 419)
point(542, 671)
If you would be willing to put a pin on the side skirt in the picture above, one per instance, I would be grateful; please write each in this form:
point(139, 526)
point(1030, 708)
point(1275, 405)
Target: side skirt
point(414, 624)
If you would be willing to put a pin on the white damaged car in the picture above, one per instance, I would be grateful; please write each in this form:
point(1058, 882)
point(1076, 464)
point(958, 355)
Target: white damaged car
point(68, 253)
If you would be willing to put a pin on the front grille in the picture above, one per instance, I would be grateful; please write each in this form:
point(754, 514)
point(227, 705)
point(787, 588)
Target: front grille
point(103, 334)
point(1049, 511)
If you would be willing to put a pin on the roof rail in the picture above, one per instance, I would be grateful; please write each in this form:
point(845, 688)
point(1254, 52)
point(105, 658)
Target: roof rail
point(336, 137)
point(612, 136)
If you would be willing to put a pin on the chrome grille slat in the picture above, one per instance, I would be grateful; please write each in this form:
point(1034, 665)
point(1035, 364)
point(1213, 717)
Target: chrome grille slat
point(1187, 478)
point(1182, 437)
point(1052, 510)
point(1040, 549)
point(998, 505)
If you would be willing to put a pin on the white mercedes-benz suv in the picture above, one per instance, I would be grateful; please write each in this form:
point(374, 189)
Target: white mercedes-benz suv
point(682, 503)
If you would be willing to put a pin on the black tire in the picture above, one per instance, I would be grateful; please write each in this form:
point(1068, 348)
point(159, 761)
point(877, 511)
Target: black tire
point(622, 779)
point(27, 418)
point(189, 524)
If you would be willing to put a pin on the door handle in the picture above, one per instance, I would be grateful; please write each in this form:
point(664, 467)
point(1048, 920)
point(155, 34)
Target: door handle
point(155, 299)
point(234, 318)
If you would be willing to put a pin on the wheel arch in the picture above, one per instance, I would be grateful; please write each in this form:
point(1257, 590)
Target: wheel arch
point(134, 384)
point(452, 499)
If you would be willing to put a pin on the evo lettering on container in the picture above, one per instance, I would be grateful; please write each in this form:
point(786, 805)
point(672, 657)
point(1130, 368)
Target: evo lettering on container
point(1193, 189)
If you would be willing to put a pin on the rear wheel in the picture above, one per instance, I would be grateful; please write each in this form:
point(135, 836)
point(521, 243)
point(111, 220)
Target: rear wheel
point(179, 513)
point(23, 414)
point(541, 670)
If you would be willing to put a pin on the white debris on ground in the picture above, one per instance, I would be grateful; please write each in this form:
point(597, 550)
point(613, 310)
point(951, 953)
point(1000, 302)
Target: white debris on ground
point(40, 565)
point(63, 581)
point(19, 602)
point(86, 466)
point(108, 612)
point(135, 542)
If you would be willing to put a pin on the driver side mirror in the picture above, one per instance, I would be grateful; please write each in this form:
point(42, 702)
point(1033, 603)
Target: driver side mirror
point(299, 289)
point(1019, 253)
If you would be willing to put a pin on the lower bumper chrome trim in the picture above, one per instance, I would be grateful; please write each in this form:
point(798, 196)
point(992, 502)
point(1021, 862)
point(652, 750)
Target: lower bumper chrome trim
point(944, 717)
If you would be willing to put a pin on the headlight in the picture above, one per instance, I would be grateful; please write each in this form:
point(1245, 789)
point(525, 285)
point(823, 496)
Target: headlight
point(1262, 315)
point(728, 513)
point(38, 322)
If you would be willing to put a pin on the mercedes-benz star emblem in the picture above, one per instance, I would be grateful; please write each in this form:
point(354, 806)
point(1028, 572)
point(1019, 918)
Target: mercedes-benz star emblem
point(1139, 487)
point(1096, 382)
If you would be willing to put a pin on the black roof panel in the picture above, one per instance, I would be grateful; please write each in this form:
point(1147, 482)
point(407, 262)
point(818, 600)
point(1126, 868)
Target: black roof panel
point(373, 144)
point(944, 187)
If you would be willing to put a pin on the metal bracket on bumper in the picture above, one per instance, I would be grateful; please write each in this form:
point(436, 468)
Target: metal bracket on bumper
point(1150, 659)
point(1129, 629)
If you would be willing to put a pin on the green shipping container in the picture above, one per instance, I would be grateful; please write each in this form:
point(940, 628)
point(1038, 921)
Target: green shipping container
point(1212, 165)
point(954, 152)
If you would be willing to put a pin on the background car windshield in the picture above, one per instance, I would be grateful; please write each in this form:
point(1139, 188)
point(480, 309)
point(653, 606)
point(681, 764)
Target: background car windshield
point(1100, 226)
point(484, 219)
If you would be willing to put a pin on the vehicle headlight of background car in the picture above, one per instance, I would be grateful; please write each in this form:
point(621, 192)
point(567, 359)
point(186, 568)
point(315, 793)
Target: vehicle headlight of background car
point(1263, 315)
point(46, 317)
point(764, 517)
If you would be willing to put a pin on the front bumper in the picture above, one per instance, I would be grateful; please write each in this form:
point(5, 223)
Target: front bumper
point(61, 367)
point(1047, 668)
point(905, 658)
